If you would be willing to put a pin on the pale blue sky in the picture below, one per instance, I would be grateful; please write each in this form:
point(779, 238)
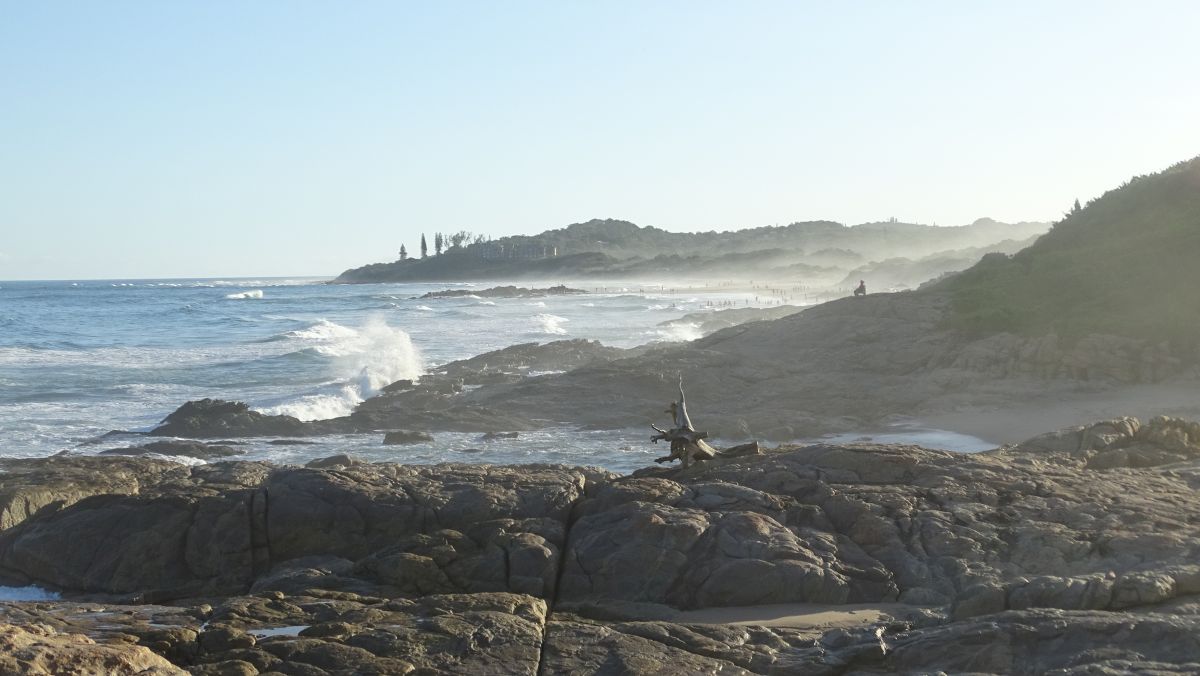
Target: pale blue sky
point(156, 139)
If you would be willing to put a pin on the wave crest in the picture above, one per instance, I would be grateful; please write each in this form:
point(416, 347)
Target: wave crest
point(361, 362)
point(244, 295)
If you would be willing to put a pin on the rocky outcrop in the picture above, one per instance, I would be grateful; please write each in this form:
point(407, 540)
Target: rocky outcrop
point(841, 366)
point(405, 437)
point(162, 531)
point(1024, 559)
point(165, 531)
point(329, 633)
point(1095, 357)
point(505, 292)
point(35, 649)
point(1123, 442)
point(214, 418)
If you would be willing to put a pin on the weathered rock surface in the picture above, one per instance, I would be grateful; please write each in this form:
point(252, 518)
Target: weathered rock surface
point(1124, 442)
point(329, 633)
point(37, 649)
point(844, 365)
point(212, 418)
point(163, 531)
point(1075, 552)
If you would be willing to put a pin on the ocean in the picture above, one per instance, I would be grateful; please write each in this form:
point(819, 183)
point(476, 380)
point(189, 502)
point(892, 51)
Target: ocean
point(81, 358)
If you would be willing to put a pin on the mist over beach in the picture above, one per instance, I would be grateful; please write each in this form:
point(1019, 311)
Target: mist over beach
point(603, 339)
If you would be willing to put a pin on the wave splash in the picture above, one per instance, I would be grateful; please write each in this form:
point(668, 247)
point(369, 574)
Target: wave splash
point(244, 295)
point(361, 362)
point(678, 332)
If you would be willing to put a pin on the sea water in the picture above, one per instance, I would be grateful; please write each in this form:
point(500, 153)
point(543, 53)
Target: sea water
point(81, 358)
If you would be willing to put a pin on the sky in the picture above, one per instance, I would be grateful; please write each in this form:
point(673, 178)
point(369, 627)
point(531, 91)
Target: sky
point(212, 138)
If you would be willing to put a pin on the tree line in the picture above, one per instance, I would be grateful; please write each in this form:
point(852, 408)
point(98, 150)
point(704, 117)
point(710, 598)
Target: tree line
point(441, 243)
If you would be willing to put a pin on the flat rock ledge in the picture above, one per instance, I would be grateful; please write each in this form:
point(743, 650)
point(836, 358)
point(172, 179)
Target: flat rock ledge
point(1074, 553)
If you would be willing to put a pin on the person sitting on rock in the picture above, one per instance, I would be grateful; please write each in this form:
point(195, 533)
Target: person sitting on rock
point(862, 288)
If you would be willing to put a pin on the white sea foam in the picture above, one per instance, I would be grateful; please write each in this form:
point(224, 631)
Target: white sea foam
point(539, 303)
point(178, 459)
point(550, 324)
point(424, 308)
point(322, 331)
point(362, 361)
point(486, 302)
point(244, 295)
point(679, 331)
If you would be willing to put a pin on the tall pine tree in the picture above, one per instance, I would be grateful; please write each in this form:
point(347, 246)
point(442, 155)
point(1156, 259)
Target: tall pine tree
point(403, 253)
point(424, 247)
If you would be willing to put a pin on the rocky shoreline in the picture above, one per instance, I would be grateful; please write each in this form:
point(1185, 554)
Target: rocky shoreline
point(1076, 552)
point(853, 365)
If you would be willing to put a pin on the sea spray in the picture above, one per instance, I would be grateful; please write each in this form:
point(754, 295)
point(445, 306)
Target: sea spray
point(678, 332)
point(361, 362)
point(244, 295)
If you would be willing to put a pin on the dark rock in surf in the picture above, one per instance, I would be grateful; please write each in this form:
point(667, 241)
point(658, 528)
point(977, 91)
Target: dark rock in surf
point(406, 437)
point(334, 461)
point(504, 292)
point(209, 418)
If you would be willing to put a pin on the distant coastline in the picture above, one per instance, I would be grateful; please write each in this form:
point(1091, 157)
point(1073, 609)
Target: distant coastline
point(820, 253)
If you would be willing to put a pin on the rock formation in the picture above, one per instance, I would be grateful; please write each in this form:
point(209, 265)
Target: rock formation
point(1074, 551)
point(505, 292)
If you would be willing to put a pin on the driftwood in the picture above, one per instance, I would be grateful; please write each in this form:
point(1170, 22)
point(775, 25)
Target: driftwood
point(686, 443)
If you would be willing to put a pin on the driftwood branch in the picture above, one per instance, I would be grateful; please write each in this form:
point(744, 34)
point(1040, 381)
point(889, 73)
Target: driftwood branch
point(686, 443)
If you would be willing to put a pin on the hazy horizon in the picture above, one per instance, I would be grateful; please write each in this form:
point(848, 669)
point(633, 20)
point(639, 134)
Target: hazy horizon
point(155, 141)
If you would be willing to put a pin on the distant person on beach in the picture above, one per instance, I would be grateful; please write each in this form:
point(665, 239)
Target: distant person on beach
point(862, 288)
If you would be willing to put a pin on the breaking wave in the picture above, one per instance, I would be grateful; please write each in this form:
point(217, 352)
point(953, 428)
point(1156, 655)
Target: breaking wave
point(679, 332)
point(361, 361)
point(256, 293)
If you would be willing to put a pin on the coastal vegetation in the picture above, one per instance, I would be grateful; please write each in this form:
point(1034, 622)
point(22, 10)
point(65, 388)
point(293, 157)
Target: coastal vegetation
point(1123, 264)
point(821, 252)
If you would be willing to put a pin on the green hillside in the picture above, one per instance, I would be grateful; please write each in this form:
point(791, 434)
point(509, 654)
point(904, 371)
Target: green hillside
point(1125, 264)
